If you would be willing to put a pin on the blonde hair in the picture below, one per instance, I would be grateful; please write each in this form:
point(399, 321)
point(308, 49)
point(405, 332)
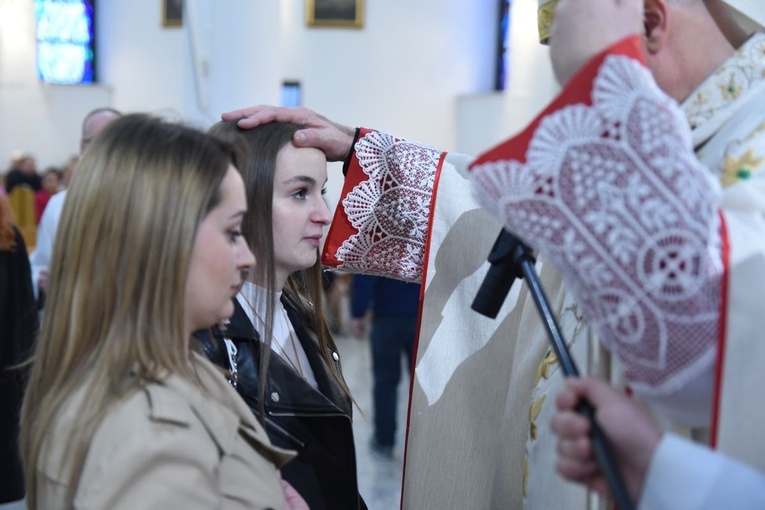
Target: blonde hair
point(114, 317)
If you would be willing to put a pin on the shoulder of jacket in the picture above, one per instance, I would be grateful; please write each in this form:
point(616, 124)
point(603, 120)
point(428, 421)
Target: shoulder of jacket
point(167, 406)
point(173, 407)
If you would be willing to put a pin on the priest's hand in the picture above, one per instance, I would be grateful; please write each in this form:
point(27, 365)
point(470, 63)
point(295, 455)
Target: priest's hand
point(631, 432)
point(334, 139)
point(583, 28)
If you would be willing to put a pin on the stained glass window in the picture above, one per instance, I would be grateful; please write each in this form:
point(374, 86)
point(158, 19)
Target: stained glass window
point(65, 41)
point(503, 45)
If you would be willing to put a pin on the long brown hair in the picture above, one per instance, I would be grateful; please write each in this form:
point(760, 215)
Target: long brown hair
point(258, 149)
point(114, 320)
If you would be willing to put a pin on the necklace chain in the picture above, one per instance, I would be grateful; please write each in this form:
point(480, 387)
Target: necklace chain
point(298, 368)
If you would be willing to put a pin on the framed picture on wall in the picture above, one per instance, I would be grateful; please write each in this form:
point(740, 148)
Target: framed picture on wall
point(172, 13)
point(335, 13)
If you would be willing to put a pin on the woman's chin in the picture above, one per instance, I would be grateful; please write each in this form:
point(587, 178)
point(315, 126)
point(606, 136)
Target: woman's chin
point(227, 311)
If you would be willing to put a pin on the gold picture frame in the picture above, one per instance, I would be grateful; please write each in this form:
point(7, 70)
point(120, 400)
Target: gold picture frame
point(335, 13)
point(172, 13)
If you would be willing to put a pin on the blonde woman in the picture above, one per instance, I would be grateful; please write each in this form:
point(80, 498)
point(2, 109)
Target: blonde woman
point(119, 411)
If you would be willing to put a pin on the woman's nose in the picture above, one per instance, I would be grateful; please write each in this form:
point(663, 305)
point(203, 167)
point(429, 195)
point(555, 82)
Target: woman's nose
point(322, 214)
point(245, 258)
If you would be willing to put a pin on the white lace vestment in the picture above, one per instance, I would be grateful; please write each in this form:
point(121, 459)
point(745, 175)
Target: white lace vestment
point(613, 193)
point(389, 210)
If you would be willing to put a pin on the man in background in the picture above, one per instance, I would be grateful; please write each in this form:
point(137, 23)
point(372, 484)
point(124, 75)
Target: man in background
point(40, 259)
point(394, 306)
point(23, 172)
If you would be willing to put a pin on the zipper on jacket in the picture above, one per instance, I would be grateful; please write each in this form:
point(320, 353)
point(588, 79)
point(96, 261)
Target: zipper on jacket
point(281, 430)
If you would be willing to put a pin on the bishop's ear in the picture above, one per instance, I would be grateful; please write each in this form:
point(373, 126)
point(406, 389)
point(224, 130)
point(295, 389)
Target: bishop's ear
point(655, 24)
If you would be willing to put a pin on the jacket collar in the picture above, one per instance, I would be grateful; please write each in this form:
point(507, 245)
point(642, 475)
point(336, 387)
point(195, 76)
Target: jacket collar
point(310, 342)
point(238, 326)
point(222, 412)
point(329, 397)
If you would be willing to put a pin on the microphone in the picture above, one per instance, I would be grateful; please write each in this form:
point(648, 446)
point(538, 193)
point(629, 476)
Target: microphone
point(505, 268)
point(510, 258)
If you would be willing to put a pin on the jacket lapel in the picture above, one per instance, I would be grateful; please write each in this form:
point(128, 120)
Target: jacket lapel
point(310, 342)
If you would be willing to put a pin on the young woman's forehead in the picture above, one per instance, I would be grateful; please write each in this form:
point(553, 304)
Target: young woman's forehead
point(293, 162)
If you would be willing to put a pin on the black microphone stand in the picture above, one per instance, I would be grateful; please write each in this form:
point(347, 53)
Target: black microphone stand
point(510, 258)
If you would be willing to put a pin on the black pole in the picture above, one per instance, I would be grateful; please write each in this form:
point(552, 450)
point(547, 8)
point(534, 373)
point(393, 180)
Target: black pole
point(510, 251)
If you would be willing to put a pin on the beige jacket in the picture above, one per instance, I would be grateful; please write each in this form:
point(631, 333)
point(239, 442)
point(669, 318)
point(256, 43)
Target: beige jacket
point(169, 446)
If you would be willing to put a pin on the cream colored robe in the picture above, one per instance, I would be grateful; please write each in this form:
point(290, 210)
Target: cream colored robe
point(471, 395)
point(483, 391)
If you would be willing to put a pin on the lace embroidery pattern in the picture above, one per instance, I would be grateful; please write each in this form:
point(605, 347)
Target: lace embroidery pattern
point(614, 195)
point(390, 210)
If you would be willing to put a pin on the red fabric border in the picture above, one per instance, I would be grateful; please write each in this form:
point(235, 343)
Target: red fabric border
point(423, 278)
point(340, 230)
point(577, 91)
point(714, 426)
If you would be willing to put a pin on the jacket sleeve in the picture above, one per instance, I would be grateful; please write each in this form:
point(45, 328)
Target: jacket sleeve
point(157, 474)
point(169, 468)
point(716, 481)
point(381, 224)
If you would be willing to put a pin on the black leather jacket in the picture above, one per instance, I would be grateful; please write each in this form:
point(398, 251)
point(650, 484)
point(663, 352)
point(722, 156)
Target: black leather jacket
point(317, 424)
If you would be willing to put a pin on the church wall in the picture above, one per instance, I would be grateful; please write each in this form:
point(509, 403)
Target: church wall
point(416, 69)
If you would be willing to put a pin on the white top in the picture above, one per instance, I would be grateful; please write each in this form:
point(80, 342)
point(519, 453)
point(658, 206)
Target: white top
point(285, 342)
point(46, 233)
point(690, 476)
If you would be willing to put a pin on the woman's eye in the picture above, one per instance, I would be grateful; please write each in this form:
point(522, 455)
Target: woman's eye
point(234, 235)
point(300, 194)
point(323, 191)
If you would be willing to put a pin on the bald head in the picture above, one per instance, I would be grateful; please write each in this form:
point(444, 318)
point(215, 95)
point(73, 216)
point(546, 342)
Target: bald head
point(94, 122)
point(685, 41)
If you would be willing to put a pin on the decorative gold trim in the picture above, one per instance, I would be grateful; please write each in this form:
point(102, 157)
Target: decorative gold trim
point(545, 19)
point(543, 372)
point(313, 21)
point(536, 408)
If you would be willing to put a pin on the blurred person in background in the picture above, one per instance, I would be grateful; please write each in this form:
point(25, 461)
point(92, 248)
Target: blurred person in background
point(23, 172)
point(51, 184)
point(393, 306)
point(40, 259)
point(18, 327)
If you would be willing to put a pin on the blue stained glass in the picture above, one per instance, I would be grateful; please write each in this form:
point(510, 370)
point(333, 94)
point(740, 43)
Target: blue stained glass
point(503, 45)
point(65, 45)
